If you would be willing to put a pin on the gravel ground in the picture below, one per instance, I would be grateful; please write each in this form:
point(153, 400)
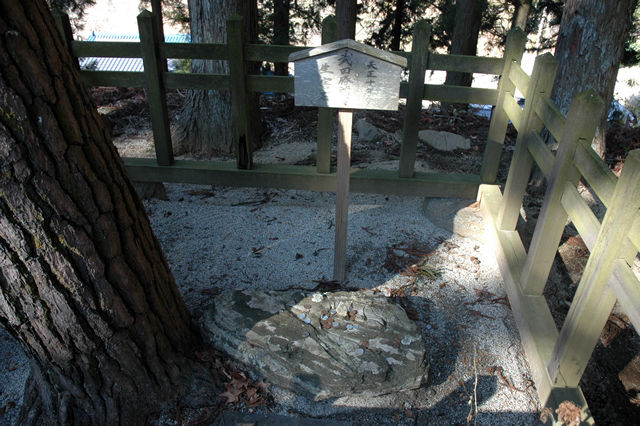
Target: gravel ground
point(246, 238)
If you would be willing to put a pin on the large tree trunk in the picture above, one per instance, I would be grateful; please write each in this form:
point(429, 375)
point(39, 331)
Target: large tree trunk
point(83, 281)
point(590, 46)
point(281, 31)
point(206, 124)
point(465, 37)
point(346, 13)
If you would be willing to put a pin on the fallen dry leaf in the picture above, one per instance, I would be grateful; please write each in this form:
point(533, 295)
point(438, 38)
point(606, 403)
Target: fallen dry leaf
point(568, 413)
point(263, 385)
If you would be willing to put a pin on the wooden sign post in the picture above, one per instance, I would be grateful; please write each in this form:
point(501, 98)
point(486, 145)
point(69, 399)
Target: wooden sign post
point(346, 75)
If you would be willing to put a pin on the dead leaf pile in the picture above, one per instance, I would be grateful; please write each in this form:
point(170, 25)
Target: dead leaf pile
point(400, 257)
point(240, 390)
point(568, 413)
point(614, 326)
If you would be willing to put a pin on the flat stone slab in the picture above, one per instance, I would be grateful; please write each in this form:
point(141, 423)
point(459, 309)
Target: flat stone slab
point(444, 141)
point(323, 345)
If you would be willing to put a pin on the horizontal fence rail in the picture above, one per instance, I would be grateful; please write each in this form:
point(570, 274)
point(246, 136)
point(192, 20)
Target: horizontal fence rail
point(558, 357)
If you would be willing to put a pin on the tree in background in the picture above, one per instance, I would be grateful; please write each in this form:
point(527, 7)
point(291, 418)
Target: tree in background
point(396, 21)
point(274, 26)
point(522, 8)
point(589, 50)
point(205, 123)
point(84, 285)
point(74, 8)
point(464, 40)
point(281, 30)
point(346, 13)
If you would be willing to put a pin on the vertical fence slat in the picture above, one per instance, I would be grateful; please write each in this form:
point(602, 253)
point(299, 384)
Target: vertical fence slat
point(64, 28)
point(542, 77)
point(581, 124)
point(156, 96)
point(594, 300)
point(239, 93)
point(326, 115)
point(513, 52)
point(419, 60)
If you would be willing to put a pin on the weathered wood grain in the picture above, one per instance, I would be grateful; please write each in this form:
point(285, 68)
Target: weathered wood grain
point(156, 96)
point(540, 86)
point(420, 57)
point(498, 126)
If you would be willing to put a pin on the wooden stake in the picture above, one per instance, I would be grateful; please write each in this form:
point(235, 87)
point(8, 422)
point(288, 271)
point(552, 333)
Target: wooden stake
point(345, 120)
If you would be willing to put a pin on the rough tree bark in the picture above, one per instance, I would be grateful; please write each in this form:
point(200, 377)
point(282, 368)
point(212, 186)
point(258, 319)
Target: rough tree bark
point(396, 30)
point(206, 126)
point(346, 12)
point(281, 10)
point(83, 282)
point(464, 40)
point(590, 46)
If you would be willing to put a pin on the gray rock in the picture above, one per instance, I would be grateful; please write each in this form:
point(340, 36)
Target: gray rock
point(444, 141)
point(367, 132)
point(311, 344)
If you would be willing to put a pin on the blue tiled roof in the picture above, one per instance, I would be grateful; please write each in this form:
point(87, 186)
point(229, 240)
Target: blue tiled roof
point(122, 64)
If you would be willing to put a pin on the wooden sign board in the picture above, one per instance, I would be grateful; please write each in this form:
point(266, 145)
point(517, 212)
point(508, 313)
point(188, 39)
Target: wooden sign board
point(349, 75)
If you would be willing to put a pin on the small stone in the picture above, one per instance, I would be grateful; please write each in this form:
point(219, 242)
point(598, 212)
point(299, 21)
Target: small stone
point(333, 312)
point(325, 317)
point(307, 320)
point(444, 141)
point(316, 298)
point(305, 334)
point(359, 351)
point(406, 340)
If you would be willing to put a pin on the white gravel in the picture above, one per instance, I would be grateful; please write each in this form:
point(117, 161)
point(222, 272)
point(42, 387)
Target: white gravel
point(276, 239)
point(218, 238)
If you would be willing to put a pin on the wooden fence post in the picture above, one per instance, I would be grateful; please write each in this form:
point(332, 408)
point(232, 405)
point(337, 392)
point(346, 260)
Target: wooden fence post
point(156, 96)
point(326, 115)
point(594, 299)
point(542, 77)
point(156, 9)
point(64, 28)
point(581, 123)
point(419, 60)
point(513, 52)
point(240, 98)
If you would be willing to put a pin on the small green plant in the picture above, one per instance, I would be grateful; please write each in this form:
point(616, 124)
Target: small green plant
point(182, 65)
point(428, 271)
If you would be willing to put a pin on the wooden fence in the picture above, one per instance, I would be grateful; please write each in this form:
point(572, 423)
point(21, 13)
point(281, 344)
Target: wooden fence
point(156, 80)
point(558, 358)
